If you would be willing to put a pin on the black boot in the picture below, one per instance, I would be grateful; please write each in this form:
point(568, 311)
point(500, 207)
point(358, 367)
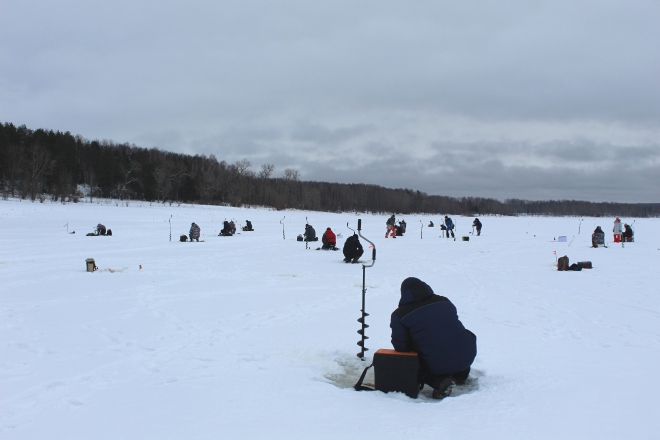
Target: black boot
point(443, 389)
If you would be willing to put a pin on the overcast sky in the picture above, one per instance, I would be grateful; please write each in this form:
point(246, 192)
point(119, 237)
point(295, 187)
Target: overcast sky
point(506, 99)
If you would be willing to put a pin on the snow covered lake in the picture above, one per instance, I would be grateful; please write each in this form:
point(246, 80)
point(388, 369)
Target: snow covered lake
point(254, 336)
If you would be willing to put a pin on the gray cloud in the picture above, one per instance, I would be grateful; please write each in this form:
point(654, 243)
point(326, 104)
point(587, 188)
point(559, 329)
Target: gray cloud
point(515, 96)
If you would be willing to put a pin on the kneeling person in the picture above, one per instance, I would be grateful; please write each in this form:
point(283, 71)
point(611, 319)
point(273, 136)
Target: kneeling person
point(428, 324)
point(329, 240)
point(100, 229)
point(352, 249)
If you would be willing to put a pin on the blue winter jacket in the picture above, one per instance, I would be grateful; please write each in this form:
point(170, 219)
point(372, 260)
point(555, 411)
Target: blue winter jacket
point(428, 324)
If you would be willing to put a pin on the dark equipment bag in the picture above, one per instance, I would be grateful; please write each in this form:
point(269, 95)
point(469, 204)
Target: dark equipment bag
point(562, 263)
point(396, 371)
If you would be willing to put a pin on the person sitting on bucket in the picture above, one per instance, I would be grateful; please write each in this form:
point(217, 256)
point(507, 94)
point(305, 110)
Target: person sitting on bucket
point(477, 224)
point(401, 229)
point(226, 229)
point(310, 233)
point(598, 237)
point(627, 233)
point(428, 324)
point(194, 232)
point(352, 249)
point(329, 240)
point(248, 226)
point(100, 229)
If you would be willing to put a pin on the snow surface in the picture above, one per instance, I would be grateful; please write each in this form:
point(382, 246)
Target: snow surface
point(253, 336)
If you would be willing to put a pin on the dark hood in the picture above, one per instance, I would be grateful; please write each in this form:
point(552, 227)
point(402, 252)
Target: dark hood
point(414, 290)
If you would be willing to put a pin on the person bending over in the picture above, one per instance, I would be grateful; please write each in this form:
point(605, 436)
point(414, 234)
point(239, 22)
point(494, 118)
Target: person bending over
point(477, 224)
point(449, 225)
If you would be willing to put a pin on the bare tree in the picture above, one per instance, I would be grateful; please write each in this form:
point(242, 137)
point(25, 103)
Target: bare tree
point(181, 171)
point(266, 170)
point(129, 178)
point(163, 183)
point(242, 166)
point(292, 175)
point(38, 165)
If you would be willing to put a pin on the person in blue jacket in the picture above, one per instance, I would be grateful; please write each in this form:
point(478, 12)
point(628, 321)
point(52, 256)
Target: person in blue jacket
point(449, 225)
point(428, 324)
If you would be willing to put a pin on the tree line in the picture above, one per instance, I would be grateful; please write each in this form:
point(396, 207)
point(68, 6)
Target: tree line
point(39, 164)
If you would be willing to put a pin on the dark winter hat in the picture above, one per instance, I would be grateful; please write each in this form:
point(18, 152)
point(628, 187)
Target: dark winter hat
point(414, 290)
point(328, 229)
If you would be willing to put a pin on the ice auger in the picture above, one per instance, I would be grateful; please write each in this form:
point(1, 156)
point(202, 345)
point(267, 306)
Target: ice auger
point(364, 293)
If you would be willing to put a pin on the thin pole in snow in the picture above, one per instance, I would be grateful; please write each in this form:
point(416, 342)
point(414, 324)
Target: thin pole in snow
point(283, 236)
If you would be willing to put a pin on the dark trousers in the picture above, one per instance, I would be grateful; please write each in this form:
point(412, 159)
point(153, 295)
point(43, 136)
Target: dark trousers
point(433, 380)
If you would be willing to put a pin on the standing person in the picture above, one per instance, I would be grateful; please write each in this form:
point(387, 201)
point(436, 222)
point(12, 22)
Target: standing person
point(194, 232)
point(329, 240)
point(450, 227)
point(428, 324)
point(617, 230)
point(352, 249)
point(477, 224)
point(391, 227)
